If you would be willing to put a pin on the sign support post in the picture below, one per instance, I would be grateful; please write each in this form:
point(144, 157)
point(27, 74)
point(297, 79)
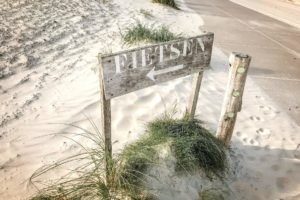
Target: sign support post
point(232, 104)
point(106, 125)
point(197, 79)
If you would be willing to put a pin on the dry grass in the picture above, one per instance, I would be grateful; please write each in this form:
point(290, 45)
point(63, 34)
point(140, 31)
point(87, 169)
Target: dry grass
point(170, 3)
point(142, 33)
point(194, 148)
point(87, 180)
point(213, 194)
point(146, 13)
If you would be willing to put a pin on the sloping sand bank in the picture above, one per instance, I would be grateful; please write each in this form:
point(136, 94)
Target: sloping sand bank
point(49, 78)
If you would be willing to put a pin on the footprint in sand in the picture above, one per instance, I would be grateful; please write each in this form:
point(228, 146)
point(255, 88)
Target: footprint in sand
point(268, 111)
point(282, 183)
point(266, 133)
point(251, 141)
point(259, 98)
point(275, 167)
point(3, 134)
point(256, 119)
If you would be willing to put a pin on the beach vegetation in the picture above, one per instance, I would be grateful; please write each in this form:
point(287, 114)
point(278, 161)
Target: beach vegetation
point(213, 194)
point(142, 33)
point(146, 13)
point(170, 3)
point(88, 179)
point(194, 148)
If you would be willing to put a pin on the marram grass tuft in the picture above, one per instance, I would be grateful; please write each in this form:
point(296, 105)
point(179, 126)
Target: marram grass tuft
point(170, 3)
point(85, 173)
point(193, 146)
point(141, 33)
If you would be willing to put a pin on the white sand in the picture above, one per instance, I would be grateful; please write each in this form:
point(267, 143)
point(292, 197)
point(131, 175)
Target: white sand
point(51, 46)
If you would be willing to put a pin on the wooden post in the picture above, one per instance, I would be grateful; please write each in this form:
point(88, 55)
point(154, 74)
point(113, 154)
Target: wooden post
point(239, 64)
point(197, 78)
point(106, 124)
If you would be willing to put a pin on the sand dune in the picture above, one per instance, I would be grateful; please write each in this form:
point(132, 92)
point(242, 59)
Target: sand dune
point(49, 78)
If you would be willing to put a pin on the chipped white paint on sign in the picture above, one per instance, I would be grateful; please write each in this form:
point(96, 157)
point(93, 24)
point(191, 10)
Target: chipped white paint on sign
point(138, 68)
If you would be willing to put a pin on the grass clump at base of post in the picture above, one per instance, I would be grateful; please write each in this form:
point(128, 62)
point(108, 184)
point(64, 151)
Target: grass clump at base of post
point(170, 3)
point(138, 158)
point(87, 180)
point(142, 33)
point(193, 146)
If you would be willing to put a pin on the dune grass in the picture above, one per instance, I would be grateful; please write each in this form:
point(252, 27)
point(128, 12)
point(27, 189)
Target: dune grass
point(212, 194)
point(170, 3)
point(146, 13)
point(5, 72)
point(87, 180)
point(194, 148)
point(141, 33)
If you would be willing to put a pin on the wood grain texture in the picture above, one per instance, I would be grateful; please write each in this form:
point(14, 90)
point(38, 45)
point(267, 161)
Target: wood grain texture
point(233, 97)
point(197, 79)
point(128, 71)
point(106, 125)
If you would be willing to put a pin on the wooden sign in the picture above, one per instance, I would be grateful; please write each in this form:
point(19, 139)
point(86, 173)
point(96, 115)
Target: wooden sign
point(138, 68)
point(128, 71)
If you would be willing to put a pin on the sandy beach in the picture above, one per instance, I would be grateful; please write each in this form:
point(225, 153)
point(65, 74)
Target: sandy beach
point(49, 79)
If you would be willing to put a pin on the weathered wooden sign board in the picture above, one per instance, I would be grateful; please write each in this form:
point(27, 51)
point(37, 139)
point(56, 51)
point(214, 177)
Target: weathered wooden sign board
point(135, 69)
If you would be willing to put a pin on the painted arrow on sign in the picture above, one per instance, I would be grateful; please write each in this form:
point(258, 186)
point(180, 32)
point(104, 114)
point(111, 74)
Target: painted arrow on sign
point(151, 75)
point(135, 69)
